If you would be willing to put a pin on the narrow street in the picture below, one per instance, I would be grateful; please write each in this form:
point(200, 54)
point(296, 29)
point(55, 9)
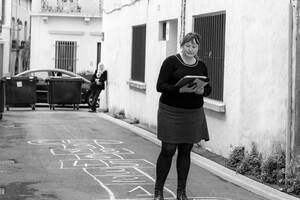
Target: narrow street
point(76, 155)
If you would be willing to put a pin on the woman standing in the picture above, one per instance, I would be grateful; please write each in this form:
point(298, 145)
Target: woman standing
point(181, 119)
point(97, 85)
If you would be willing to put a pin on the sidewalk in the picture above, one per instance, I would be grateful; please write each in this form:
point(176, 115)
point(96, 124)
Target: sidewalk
point(213, 167)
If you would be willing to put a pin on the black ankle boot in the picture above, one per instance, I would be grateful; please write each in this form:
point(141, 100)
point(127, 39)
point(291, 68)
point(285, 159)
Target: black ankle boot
point(158, 194)
point(181, 195)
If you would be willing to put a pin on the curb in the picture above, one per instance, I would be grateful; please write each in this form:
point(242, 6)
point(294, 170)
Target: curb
point(213, 167)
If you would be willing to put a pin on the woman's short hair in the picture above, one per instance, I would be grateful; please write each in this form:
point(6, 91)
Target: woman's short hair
point(189, 37)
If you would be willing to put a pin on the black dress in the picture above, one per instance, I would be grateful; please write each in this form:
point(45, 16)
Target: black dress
point(180, 117)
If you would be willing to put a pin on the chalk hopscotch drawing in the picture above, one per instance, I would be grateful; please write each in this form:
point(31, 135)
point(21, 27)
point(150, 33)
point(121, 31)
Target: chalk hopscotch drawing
point(107, 163)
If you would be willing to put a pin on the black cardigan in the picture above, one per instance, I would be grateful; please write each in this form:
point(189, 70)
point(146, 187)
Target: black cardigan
point(102, 79)
point(172, 70)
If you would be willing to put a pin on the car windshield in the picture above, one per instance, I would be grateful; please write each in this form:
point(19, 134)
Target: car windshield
point(40, 75)
point(64, 75)
point(60, 74)
point(44, 74)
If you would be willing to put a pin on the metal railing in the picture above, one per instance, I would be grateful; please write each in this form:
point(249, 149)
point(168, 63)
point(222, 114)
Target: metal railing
point(76, 7)
point(212, 49)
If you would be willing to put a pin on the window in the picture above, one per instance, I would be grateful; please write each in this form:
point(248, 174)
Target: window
point(163, 30)
point(2, 11)
point(138, 53)
point(65, 55)
point(212, 49)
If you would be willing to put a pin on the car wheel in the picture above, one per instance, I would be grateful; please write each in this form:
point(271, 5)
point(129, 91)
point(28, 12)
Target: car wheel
point(89, 99)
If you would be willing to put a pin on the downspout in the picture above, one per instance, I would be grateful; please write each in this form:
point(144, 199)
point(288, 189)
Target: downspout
point(293, 148)
point(182, 18)
point(291, 72)
point(9, 23)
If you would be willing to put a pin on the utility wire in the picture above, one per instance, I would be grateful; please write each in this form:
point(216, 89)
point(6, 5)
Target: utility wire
point(121, 7)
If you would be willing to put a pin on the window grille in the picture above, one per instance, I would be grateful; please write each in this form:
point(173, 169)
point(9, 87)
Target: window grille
point(3, 12)
point(65, 55)
point(212, 49)
point(138, 53)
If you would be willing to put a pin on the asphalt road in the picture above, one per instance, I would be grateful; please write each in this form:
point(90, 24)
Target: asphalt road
point(76, 155)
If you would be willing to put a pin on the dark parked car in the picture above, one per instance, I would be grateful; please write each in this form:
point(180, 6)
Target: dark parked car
point(44, 74)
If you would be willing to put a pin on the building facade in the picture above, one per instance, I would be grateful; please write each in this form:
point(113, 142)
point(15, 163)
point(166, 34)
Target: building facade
point(66, 34)
point(14, 36)
point(19, 36)
point(246, 46)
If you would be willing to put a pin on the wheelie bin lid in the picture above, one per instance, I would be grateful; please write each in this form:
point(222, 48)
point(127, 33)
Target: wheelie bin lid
point(20, 78)
point(65, 79)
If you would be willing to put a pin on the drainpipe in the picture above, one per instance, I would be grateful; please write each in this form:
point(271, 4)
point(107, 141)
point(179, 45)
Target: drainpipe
point(182, 18)
point(293, 136)
point(291, 64)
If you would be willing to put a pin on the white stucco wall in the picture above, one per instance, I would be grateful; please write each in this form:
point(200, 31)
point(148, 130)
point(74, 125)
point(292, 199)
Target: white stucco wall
point(84, 27)
point(255, 69)
point(19, 10)
point(136, 104)
point(255, 75)
point(5, 39)
point(46, 32)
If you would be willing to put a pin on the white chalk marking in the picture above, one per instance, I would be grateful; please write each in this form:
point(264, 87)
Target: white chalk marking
point(126, 179)
point(98, 142)
point(98, 156)
point(45, 142)
point(61, 164)
point(126, 184)
point(67, 130)
point(110, 193)
point(101, 147)
point(75, 163)
point(150, 163)
point(118, 156)
point(143, 189)
point(147, 175)
point(52, 152)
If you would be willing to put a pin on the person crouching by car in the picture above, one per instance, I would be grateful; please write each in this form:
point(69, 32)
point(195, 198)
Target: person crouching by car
point(97, 85)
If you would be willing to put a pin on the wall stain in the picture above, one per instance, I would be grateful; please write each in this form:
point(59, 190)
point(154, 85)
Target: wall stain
point(22, 191)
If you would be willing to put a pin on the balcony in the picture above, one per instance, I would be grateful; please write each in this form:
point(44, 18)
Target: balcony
point(71, 8)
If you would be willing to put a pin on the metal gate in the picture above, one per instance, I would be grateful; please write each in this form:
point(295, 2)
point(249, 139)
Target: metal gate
point(212, 49)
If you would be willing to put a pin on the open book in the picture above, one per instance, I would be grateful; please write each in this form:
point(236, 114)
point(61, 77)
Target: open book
point(191, 79)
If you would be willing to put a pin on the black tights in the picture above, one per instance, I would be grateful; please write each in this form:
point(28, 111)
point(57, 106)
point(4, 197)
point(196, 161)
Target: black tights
point(164, 162)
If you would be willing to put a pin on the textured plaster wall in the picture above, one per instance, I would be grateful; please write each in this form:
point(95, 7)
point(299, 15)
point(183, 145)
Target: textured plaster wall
point(117, 55)
point(256, 74)
point(255, 70)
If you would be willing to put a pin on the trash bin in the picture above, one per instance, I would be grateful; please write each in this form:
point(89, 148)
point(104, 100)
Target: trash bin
point(20, 91)
point(2, 96)
point(64, 91)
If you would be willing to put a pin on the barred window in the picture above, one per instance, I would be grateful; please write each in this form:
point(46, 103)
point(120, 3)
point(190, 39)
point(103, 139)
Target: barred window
point(65, 55)
point(2, 12)
point(212, 49)
point(138, 53)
